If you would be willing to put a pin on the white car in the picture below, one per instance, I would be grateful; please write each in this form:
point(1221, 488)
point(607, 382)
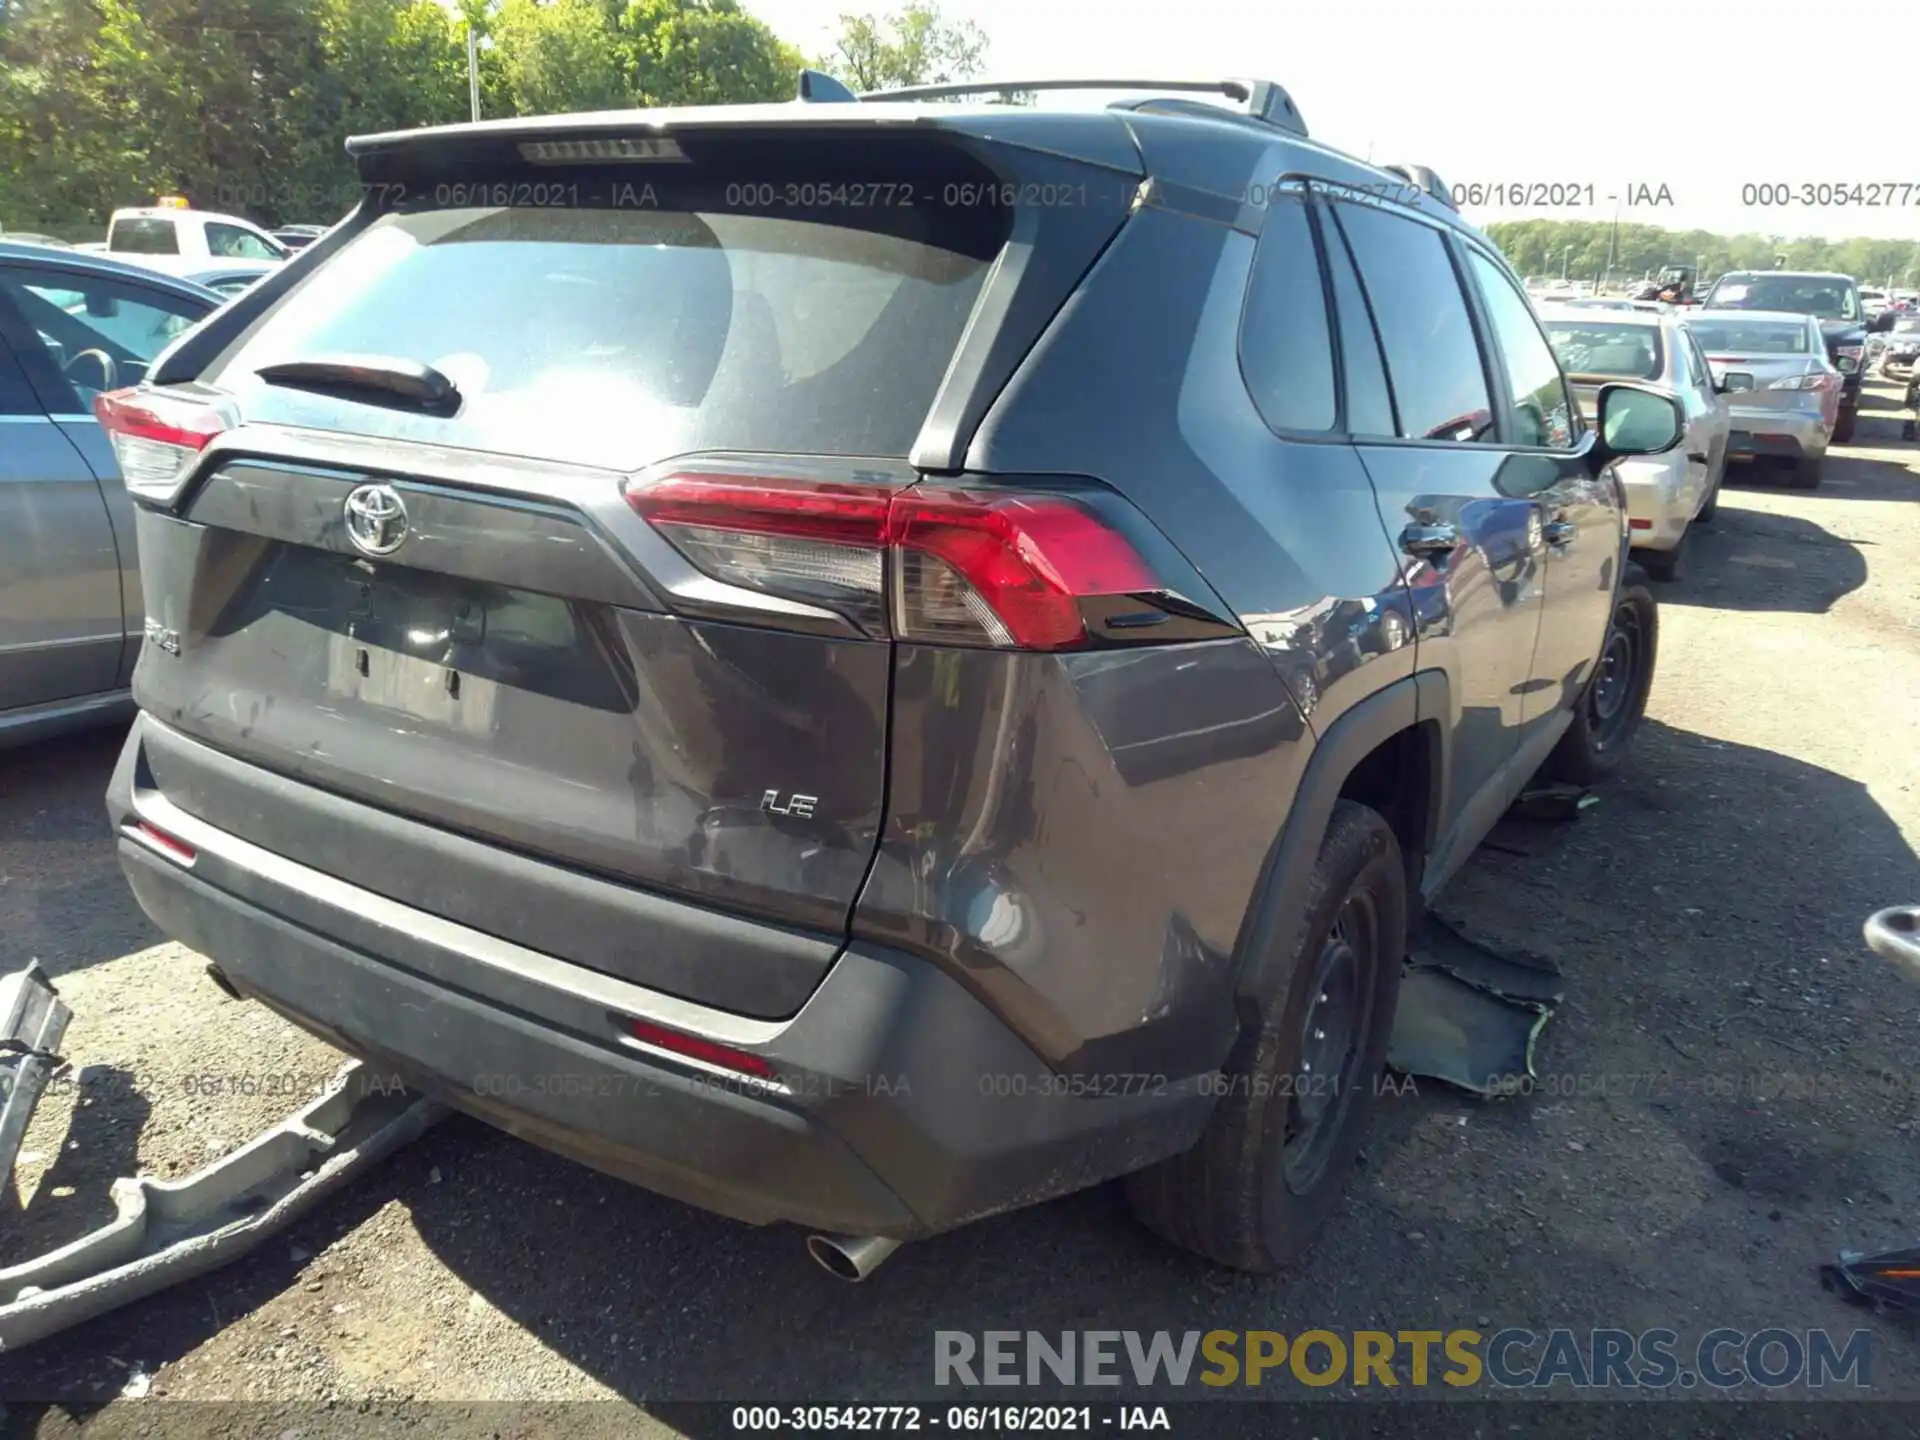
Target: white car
point(1666, 493)
point(183, 241)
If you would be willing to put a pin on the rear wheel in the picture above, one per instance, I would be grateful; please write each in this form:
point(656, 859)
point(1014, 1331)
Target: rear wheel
point(1806, 472)
point(1843, 427)
point(1711, 505)
point(1295, 1096)
point(1609, 713)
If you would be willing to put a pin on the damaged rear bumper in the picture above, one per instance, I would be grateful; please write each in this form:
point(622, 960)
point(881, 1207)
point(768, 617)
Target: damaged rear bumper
point(166, 1231)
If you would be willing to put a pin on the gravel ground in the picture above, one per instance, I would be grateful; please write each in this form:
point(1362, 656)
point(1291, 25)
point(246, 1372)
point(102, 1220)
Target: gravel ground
point(1726, 1099)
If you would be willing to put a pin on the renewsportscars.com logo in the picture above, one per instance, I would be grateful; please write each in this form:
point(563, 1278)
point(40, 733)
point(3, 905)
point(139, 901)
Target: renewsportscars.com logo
point(1600, 1359)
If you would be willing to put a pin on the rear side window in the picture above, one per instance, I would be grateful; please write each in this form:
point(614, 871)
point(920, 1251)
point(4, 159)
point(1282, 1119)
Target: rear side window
point(1369, 401)
point(1432, 356)
point(617, 337)
point(144, 237)
point(1286, 353)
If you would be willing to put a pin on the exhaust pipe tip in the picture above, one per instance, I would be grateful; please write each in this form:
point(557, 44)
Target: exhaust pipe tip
point(850, 1257)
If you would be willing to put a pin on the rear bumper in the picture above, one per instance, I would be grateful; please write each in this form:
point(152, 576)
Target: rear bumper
point(1779, 434)
point(902, 1106)
point(1657, 509)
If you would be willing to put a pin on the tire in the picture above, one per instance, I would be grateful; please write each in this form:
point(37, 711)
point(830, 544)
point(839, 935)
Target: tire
point(1711, 505)
point(1843, 427)
point(1666, 566)
point(1615, 700)
point(1240, 1197)
point(1806, 472)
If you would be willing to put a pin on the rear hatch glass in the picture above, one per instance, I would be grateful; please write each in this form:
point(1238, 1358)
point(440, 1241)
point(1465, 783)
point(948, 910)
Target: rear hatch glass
point(1607, 347)
point(144, 235)
point(1751, 338)
point(1828, 297)
point(612, 336)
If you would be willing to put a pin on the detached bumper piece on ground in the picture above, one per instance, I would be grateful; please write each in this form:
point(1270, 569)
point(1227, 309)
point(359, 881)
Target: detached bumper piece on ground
point(167, 1231)
point(1468, 1015)
point(33, 1018)
point(1889, 1280)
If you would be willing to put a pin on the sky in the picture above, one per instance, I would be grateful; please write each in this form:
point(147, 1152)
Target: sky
point(1703, 98)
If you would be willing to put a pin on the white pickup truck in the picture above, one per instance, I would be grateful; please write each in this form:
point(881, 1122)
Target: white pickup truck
point(183, 241)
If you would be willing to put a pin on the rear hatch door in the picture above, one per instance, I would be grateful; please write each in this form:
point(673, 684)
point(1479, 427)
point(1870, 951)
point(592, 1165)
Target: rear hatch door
point(430, 596)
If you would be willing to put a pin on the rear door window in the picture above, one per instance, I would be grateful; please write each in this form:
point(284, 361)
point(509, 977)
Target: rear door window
point(1433, 358)
point(619, 336)
point(1286, 351)
point(145, 236)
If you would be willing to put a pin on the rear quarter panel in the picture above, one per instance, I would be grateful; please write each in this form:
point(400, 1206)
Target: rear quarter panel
point(1085, 847)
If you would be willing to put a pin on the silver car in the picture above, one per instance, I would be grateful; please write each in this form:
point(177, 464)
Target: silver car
point(1665, 493)
point(1900, 349)
point(72, 325)
point(1784, 392)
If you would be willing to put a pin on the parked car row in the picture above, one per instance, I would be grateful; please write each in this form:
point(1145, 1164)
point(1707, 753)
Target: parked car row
point(1776, 385)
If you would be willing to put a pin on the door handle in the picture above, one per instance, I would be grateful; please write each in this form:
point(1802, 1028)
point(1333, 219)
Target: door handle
point(1429, 539)
point(1557, 532)
point(1697, 459)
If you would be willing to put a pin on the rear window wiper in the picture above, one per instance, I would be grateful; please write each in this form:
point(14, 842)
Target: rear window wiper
point(375, 379)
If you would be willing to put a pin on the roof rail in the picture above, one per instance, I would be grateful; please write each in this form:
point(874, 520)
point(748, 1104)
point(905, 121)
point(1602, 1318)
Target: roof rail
point(1262, 99)
point(1422, 178)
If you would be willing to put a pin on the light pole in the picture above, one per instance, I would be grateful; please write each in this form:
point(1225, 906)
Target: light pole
point(1613, 244)
point(1566, 259)
point(473, 69)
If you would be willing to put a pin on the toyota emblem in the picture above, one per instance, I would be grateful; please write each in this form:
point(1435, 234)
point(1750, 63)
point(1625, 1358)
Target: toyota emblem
point(376, 519)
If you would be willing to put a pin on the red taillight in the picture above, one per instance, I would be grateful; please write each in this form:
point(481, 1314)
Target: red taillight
point(1029, 559)
point(155, 437)
point(694, 1048)
point(749, 504)
point(160, 840)
point(1639, 524)
point(970, 567)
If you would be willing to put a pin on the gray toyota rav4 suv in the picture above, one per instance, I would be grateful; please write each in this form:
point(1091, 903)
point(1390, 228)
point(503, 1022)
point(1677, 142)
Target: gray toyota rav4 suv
point(868, 662)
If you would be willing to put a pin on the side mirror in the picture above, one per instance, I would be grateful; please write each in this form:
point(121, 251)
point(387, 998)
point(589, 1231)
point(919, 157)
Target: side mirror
point(1735, 381)
point(1633, 421)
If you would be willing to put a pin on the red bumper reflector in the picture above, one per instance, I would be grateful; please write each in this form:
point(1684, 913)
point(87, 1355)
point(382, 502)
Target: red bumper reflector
point(178, 849)
point(695, 1048)
point(1640, 524)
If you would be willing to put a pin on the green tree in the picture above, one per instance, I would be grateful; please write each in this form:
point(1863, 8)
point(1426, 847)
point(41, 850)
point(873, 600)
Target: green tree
point(1542, 247)
point(559, 56)
point(703, 52)
point(915, 45)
